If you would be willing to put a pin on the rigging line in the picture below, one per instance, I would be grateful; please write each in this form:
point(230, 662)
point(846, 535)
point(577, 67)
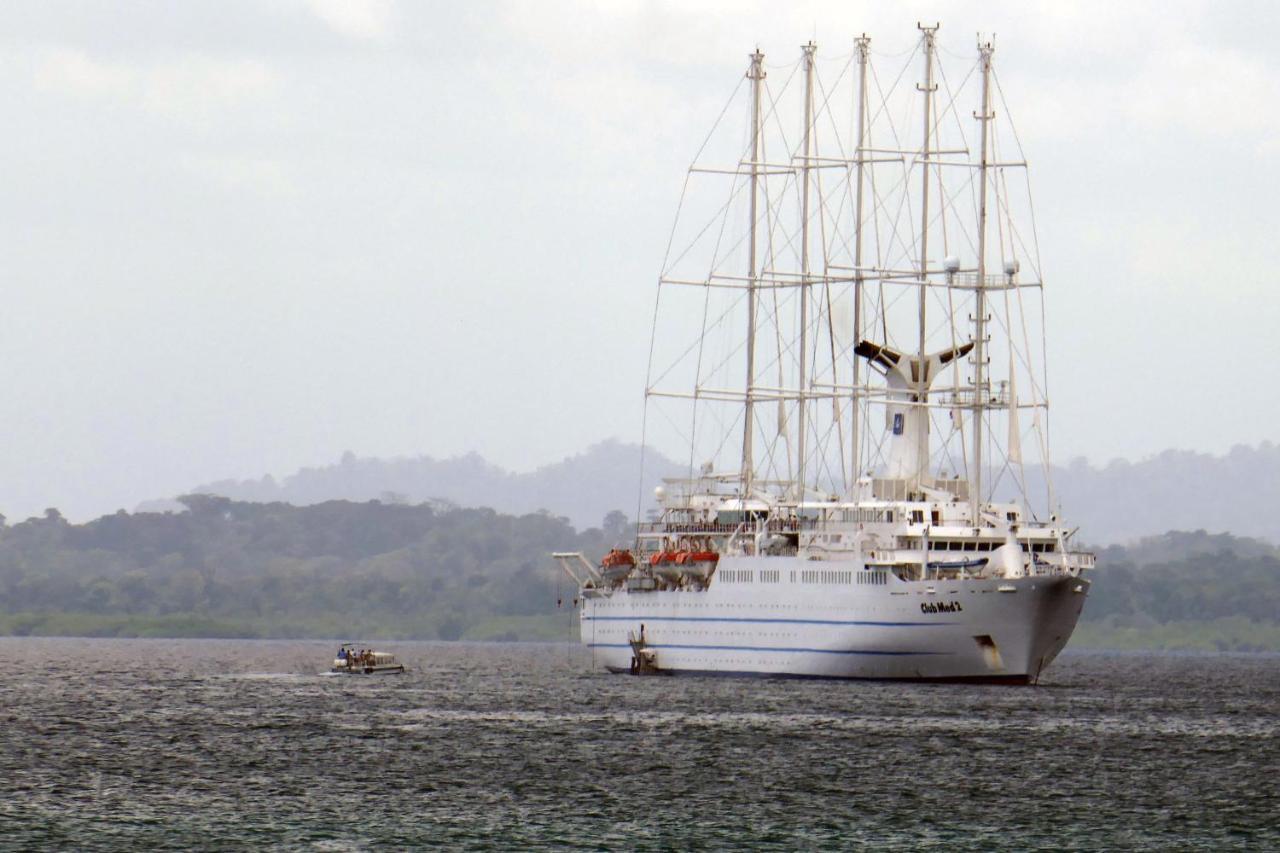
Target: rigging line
point(952, 107)
point(960, 56)
point(666, 262)
point(846, 183)
point(826, 286)
point(957, 423)
point(734, 189)
point(781, 65)
point(725, 109)
point(952, 110)
point(950, 201)
point(884, 98)
point(653, 331)
point(1041, 426)
point(871, 173)
point(842, 57)
point(679, 359)
point(1023, 355)
point(825, 106)
point(896, 246)
point(737, 187)
point(889, 55)
point(706, 308)
point(822, 459)
point(1019, 474)
point(773, 220)
point(772, 114)
point(728, 432)
point(1022, 156)
point(678, 430)
point(901, 189)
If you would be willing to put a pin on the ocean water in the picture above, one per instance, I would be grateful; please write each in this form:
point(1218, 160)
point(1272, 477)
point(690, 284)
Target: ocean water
point(181, 744)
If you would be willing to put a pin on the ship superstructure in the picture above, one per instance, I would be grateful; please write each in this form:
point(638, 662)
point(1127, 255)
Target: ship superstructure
point(848, 343)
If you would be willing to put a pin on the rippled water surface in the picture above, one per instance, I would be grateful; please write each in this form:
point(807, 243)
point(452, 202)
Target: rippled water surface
point(107, 744)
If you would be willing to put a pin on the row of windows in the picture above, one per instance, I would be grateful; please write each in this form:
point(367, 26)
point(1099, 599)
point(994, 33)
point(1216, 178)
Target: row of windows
point(866, 515)
point(972, 545)
point(825, 576)
point(806, 576)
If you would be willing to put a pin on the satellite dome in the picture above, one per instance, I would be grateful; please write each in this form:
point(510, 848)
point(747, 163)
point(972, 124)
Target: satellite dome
point(660, 494)
point(951, 263)
point(1011, 266)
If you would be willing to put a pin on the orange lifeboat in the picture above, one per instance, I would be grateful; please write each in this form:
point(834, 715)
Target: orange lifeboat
point(617, 564)
point(618, 557)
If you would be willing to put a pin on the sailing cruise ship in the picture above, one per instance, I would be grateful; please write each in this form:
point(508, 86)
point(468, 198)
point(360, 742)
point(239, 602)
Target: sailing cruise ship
point(849, 340)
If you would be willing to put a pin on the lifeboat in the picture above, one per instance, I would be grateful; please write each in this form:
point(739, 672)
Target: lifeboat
point(617, 564)
point(698, 564)
point(666, 565)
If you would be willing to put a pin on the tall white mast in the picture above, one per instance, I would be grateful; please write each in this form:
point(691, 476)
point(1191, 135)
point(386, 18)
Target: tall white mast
point(980, 296)
point(755, 74)
point(922, 381)
point(861, 46)
point(805, 167)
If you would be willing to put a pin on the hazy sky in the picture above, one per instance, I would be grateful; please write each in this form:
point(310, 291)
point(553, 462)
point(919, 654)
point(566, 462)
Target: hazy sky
point(242, 238)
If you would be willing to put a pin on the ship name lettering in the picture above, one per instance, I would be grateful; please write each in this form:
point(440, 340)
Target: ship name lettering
point(940, 607)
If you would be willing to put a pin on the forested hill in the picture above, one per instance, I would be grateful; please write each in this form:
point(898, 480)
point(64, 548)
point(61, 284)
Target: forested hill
point(227, 568)
point(1185, 590)
point(1119, 502)
point(377, 570)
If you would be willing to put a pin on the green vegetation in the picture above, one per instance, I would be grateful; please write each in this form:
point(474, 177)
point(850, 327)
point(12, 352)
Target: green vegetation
point(1185, 591)
point(1236, 634)
point(339, 569)
point(336, 569)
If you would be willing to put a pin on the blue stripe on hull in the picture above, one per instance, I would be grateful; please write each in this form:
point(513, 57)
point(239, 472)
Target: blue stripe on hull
point(763, 621)
point(761, 649)
point(1017, 680)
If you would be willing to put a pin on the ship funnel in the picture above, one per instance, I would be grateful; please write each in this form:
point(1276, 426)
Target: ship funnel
point(906, 419)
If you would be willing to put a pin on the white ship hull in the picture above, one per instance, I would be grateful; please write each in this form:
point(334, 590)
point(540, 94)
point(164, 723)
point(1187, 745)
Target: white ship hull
point(973, 629)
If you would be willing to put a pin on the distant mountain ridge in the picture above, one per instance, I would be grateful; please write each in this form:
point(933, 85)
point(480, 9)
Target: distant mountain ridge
point(584, 488)
point(1238, 492)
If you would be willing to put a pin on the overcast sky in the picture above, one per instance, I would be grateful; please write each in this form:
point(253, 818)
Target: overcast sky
point(243, 237)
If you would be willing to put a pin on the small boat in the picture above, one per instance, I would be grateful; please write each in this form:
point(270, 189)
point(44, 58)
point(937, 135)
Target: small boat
point(353, 661)
point(644, 659)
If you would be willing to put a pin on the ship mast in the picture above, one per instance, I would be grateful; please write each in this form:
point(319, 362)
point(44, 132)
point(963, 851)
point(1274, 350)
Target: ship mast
point(980, 297)
point(755, 74)
point(862, 46)
point(922, 381)
point(805, 168)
